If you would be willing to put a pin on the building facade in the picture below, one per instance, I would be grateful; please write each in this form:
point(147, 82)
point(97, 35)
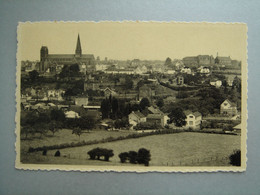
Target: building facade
point(49, 62)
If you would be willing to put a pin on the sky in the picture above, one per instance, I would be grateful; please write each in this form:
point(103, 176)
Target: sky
point(131, 40)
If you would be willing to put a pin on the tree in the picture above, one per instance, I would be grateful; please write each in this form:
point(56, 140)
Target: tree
point(160, 102)
point(41, 128)
point(235, 158)
point(114, 106)
point(34, 75)
point(144, 103)
point(133, 156)
point(86, 122)
point(128, 83)
point(168, 62)
point(178, 117)
point(77, 131)
point(57, 115)
point(55, 126)
point(144, 156)
point(105, 108)
point(123, 157)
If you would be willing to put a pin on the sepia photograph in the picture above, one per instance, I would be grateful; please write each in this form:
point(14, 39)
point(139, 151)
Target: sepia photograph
point(131, 96)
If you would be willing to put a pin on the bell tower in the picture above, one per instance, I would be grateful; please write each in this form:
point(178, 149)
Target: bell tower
point(78, 51)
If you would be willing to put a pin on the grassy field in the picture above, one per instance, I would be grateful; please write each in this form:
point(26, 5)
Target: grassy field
point(181, 149)
point(66, 136)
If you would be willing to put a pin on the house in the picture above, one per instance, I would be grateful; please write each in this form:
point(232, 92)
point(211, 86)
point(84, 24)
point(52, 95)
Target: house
point(81, 101)
point(155, 115)
point(186, 70)
point(228, 108)
point(204, 70)
point(71, 114)
point(55, 94)
point(109, 92)
point(216, 83)
point(136, 117)
point(237, 128)
point(141, 70)
point(193, 119)
point(180, 80)
point(157, 119)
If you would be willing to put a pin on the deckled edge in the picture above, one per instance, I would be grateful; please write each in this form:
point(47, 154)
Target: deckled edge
point(155, 169)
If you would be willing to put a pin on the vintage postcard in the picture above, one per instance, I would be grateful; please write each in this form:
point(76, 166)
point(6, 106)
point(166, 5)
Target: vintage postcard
point(131, 96)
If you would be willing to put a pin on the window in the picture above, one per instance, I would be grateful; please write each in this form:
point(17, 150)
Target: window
point(191, 116)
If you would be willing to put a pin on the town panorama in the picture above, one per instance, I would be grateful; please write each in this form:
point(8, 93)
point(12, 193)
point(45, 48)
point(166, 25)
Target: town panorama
point(83, 109)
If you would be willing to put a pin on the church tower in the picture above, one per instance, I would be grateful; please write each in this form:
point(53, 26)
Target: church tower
point(78, 51)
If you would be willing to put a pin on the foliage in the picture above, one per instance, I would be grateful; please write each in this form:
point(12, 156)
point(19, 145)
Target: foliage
point(34, 75)
point(168, 62)
point(57, 115)
point(44, 152)
point(178, 117)
point(160, 102)
point(235, 158)
point(96, 153)
point(77, 131)
point(144, 103)
point(144, 156)
point(55, 126)
point(123, 157)
point(57, 153)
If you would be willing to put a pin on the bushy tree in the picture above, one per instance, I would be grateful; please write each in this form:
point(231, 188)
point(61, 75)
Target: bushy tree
point(77, 131)
point(57, 153)
point(123, 157)
point(34, 75)
point(144, 156)
point(235, 158)
point(55, 126)
point(178, 117)
point(160, 102)
point(133, 156)
point(144, 103)
point(57, 115)
point(168, 62)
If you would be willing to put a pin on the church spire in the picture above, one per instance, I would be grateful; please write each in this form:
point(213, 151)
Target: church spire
point(78, 51)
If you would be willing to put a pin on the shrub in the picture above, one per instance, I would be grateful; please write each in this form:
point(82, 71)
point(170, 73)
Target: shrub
point(107, 154)
point(235, 158)
point(57, 153)
point(133, 156)
point(98, 152)
point(44, 152)
point(31, 149)
point(123, 157)
point(144, 156)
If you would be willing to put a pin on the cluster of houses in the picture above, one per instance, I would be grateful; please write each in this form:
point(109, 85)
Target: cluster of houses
point(154, 116)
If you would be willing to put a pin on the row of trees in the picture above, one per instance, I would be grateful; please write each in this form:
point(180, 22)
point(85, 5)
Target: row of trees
point(40, 123)
point(143, 156)
point(117, 109)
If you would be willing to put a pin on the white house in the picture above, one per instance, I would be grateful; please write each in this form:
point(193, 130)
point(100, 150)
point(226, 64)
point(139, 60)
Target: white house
point(135, 118)
point(81, 101)
point(186, 70)
point(216, 83)
point(55, 94)
point(204, 70)
point(71, 114)
point(140, 70)
point(193, 119)
point(228, 108)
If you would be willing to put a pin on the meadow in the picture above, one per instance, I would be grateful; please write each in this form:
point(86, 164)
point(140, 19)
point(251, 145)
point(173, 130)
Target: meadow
point(180, 149)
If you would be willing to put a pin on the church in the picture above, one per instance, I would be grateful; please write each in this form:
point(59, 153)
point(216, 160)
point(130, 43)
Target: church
point(51, 61)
